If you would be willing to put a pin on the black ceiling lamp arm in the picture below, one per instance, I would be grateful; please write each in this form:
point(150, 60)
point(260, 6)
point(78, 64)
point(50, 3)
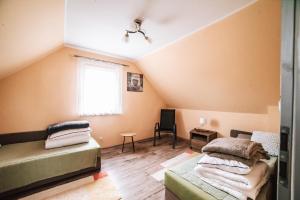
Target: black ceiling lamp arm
point(138, 23)
point(127, 31)
point(137, 31)
point(143, 33)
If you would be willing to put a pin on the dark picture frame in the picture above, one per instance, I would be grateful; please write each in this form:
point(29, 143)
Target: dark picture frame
point(134, 82)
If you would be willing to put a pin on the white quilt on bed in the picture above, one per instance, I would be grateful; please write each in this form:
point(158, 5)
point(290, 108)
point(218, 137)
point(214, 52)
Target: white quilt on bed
point(244, 182)
point(226, 165)
point(240, 186)
point(240, 194)
point(54, 143)
point(70, 132)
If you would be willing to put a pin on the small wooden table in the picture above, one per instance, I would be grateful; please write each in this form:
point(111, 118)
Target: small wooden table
point(201, 137)
point(128, 135)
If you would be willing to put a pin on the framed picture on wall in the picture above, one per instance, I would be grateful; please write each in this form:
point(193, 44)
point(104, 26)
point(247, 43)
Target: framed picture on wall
point(134, 82)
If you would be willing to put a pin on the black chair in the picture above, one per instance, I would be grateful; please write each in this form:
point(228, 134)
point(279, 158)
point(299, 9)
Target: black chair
point(167, 124)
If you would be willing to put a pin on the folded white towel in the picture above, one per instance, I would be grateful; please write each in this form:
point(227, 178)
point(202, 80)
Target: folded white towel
point(70, 132)
point(51, 143)
point(223, 164)
point(236, 192)
point(240, 186)
point(244, 182)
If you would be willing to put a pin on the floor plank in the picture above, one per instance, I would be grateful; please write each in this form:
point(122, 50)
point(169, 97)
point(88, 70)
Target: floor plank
point(131, 172)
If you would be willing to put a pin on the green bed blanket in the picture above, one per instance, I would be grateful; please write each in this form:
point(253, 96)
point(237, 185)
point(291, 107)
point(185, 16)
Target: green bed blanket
point(25, 163)
point(183, 181)
point(186, 185)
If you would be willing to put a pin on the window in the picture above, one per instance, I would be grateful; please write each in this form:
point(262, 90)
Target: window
point(100, 91)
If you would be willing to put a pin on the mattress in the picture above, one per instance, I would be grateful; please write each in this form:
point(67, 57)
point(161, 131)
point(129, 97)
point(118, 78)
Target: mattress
point(25, 163)
point(182, 181)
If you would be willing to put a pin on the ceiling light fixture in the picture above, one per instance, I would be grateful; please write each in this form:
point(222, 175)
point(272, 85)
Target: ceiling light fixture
point(138, 24)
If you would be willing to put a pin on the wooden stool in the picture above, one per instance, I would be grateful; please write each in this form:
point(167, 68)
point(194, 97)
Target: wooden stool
point(128, 135)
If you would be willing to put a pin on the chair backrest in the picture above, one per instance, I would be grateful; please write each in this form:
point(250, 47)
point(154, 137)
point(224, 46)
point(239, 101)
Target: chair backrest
point(167, 119)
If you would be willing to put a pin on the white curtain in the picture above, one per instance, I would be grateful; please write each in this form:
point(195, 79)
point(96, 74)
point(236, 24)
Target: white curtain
point(100, 88)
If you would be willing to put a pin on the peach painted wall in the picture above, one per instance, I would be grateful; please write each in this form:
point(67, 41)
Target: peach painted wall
point(24, 25)
point(45, 93)
point(223, 122)
point(228, 71)
point(232, 65)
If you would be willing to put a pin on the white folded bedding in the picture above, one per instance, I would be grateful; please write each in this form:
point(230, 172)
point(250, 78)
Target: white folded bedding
point(238, 193)
point(240, 186)
point(244, 182)
point(71, 135)
point(54, 143)
point(73, 132)
point(223, 164)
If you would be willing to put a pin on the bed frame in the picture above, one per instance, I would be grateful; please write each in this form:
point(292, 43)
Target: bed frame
point(272, 190)
point(240, 134)
point(45, 184)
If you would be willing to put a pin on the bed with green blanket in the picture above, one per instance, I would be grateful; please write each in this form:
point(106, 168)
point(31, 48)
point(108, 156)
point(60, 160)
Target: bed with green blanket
point(29, 166)
point(182, 183)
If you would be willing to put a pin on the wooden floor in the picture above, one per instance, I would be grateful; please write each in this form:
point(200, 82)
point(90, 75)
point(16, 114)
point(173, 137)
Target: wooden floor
point(131, 172)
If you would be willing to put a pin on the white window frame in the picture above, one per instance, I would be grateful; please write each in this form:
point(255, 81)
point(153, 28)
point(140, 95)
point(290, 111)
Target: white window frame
point(84, 64)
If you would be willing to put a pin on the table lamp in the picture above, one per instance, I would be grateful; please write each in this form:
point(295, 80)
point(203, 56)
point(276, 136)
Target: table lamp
point(202, 121)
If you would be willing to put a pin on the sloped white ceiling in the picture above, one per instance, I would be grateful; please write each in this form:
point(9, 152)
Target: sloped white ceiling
point(100, 24)
point(29, 30)
point(32, 29)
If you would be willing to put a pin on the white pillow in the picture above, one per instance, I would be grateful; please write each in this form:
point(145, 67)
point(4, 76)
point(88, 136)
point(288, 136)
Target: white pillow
point(269, 141)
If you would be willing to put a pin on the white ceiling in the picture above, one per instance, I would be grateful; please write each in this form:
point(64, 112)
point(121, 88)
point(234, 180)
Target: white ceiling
point(100, 24)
